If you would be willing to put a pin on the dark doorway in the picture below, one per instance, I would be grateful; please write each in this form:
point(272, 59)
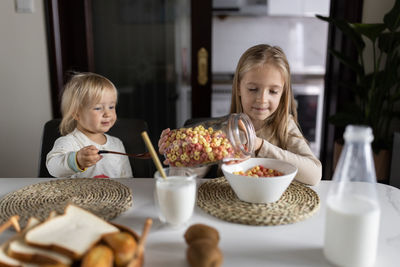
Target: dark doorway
point(143, 47)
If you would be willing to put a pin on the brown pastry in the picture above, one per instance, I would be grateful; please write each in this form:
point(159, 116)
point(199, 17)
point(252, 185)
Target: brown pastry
point(123, 244)
point(204, 252)
point(197, 231)
point(54, 265)
point(98, 256)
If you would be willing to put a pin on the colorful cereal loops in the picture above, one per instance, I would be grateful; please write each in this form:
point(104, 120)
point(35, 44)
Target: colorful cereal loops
point(188, 147)
point(259, 171)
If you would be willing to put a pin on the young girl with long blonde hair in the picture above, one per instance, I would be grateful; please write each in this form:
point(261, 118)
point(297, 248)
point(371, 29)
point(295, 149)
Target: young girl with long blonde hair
point(262, 90)
point(88, 109)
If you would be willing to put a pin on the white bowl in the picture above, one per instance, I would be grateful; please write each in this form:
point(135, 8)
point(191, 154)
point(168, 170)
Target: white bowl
point(259, 189)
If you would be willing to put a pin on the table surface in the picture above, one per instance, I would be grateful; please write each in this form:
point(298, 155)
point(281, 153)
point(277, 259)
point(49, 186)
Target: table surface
point(298, 244)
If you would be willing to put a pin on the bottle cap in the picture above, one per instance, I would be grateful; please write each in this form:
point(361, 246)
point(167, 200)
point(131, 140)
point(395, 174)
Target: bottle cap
point(358, 133)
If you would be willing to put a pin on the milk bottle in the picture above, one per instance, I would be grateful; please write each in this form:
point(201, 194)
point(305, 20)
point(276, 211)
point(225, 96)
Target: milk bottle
point(352, 217)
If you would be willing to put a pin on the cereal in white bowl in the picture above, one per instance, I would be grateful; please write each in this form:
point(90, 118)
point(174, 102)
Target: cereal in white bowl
point(262, 189)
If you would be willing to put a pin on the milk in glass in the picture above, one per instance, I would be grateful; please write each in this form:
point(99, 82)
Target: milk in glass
point(175, 197)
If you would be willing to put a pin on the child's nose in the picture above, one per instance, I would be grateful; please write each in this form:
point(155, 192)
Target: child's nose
point(262, 96)
point(107, 112)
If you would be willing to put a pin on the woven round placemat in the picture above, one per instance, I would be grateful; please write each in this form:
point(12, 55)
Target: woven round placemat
point(297, 203)
point(106, 198)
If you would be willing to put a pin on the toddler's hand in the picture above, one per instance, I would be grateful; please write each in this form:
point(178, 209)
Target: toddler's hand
point(161, 143)
point(88, 156)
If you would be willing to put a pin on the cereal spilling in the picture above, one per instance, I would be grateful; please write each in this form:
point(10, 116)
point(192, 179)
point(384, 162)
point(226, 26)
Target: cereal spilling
point(188, 147)
point(260, 171)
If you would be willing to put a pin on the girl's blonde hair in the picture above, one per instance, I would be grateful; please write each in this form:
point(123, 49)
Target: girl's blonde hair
point(259, 56)
point(82, 90)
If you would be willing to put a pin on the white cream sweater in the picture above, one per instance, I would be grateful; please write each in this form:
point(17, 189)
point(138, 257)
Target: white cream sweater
point(297, 153)
point(111, 165)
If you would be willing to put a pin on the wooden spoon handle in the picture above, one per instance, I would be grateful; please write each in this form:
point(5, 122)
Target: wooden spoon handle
point(146, 229)
point(12, 221)
point(142, 241)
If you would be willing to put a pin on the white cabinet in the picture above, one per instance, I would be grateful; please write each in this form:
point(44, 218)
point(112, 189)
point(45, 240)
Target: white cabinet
point(320, 7)
point(304, 8)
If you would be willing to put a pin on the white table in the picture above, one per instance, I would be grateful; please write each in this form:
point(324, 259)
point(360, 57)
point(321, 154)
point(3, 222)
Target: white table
point(298, 244)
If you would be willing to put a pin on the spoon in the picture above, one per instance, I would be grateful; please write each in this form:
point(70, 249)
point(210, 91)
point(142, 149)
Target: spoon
point(145, 155)
point(140, 246)
point(12, 221)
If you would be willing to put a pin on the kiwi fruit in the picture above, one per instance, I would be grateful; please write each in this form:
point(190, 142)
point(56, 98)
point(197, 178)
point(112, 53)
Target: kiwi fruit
point(197, 231)
point(204, 252)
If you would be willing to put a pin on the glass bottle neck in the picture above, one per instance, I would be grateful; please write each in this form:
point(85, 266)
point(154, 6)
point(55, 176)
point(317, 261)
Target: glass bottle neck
point(241, 133)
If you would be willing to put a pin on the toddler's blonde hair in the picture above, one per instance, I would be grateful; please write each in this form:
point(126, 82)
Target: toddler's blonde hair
point(82, 90)
point(259, 56)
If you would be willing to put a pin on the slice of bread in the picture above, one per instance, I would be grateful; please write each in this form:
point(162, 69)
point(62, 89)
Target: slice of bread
point(20, 251)
point(71, 234)
point(6, 260)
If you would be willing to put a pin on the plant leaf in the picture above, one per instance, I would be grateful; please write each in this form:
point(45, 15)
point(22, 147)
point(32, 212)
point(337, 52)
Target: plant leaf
point(351, 114)
point(395, 98)
point(375, 93)
point(388, 41)
point(387, 79)
point(348, 85)
point(347, 29)
point(364, 87)
point(371, 31)
point(351, 63)
point(342, 119)
point(392, 18)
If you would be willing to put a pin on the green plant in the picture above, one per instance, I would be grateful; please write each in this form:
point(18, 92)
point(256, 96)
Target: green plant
point(377, 92)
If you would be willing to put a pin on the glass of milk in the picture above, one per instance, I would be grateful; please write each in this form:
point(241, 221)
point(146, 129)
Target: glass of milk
point(175, 196)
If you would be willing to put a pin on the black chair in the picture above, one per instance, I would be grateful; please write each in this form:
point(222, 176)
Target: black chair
point(128, 130)
point(395, 167)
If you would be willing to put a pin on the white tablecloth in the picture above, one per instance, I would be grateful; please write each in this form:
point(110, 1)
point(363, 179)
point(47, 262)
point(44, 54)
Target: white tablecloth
point(298, 244)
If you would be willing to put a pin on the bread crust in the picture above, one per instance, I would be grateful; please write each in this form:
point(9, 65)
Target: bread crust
point(31, 258)
point(17, 249)
point(74, 220)
point(122, 242)
point(5, 260)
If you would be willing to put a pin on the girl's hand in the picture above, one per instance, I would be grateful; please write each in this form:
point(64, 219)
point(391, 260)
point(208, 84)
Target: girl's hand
point(88, 156)
point(235, 161)
point(161, 144)
point(258, 144)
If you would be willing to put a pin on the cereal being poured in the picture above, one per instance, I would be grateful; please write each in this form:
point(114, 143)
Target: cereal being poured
point(197, 146)
point(259, 171)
